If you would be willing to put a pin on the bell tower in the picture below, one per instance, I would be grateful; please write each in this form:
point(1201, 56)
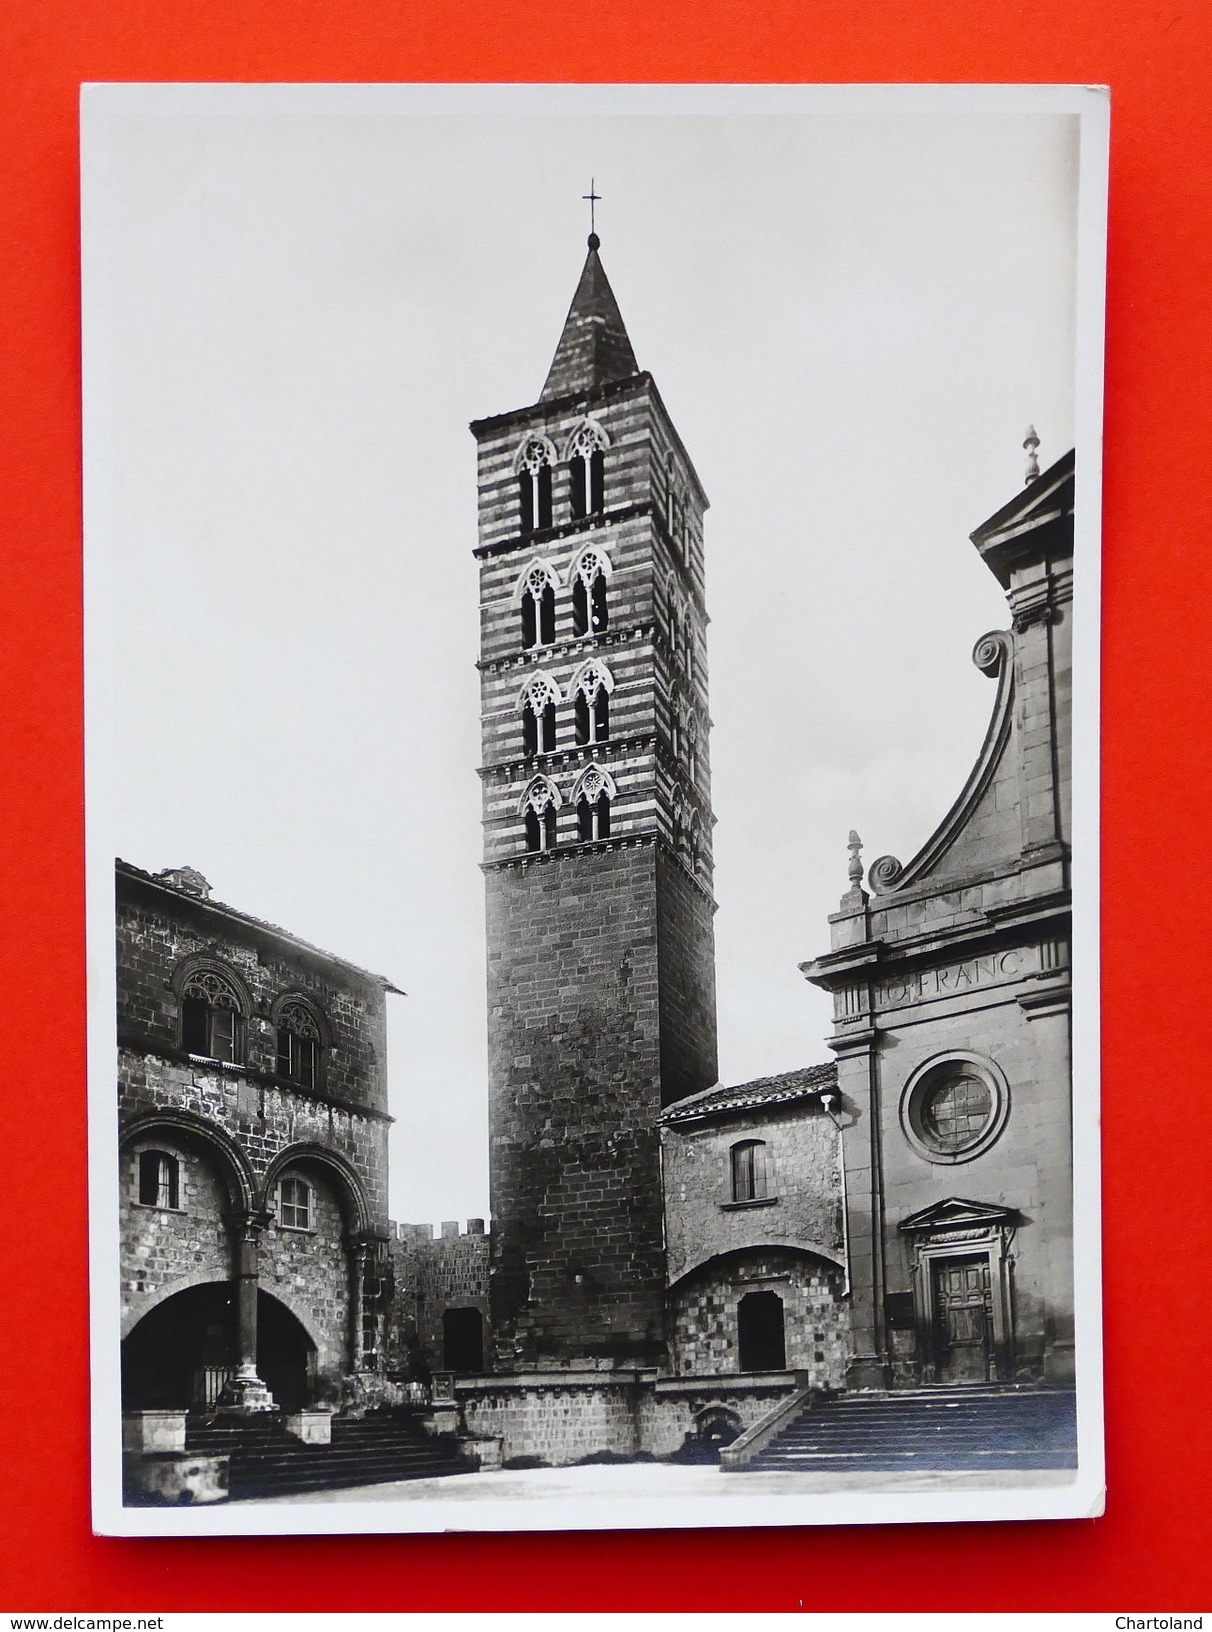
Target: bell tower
point(597, 840)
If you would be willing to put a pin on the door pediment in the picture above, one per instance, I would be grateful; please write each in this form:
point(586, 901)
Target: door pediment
point(958, 1214)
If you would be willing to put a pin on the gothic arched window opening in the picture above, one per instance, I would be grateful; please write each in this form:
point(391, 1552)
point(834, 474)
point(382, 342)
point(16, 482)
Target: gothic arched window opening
point(587, 470)
point(159, 1180)
point(211, 1020)
point(593, 795)
point(540, 803)
point(591, 690)
point(536, 592)
point(539, 698)
point(534, 484)
point(750, 1171)
point(299, 1045)
point(589, 610)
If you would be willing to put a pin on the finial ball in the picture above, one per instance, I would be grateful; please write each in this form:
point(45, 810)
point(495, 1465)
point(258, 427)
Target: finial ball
point(594, 241)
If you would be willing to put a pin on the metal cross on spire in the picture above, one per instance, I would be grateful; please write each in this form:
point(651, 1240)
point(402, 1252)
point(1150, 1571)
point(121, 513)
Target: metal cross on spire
point(591, 198)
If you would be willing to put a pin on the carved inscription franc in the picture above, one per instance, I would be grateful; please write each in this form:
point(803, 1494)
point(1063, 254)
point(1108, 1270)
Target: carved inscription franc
point(952, 980)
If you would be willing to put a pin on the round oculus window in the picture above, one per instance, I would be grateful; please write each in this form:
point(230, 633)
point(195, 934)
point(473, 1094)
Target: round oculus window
point(953, 1109)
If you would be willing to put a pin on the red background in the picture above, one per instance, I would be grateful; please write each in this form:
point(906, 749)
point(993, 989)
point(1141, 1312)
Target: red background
point(1148, 1552)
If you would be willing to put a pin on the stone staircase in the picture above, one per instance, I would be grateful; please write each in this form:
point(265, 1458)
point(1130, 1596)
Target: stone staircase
point(266, 1460)
point(921, 1430)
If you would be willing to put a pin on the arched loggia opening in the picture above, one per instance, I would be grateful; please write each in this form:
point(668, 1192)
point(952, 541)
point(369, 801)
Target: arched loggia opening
point(182, 1354)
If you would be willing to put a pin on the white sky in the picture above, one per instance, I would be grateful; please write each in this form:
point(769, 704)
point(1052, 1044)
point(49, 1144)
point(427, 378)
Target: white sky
point(293, 316)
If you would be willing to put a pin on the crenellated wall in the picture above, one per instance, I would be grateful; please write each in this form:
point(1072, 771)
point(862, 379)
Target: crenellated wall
point(434, 1274)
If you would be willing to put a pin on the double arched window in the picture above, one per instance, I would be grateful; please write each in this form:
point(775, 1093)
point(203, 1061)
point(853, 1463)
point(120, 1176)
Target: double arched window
point(593, 793)
point(540, 803)
point(535, 591)
point(533, 466)
point(590, 614)
point(538, 700)
point(212, 1023)
point(299, 1043)
point(587, 469)
point(590, 692)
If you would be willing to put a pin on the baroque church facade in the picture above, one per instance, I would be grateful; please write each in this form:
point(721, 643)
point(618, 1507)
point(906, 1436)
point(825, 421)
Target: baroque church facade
point(667, 1258)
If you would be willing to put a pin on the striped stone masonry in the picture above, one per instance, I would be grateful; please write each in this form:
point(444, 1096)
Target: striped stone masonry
point(601, 983)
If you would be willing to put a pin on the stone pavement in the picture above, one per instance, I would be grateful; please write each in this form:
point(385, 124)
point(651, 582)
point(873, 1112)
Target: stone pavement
point(645, 1480)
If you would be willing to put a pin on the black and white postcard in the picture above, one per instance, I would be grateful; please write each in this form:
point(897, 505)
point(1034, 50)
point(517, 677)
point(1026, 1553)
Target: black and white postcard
point(592, 699)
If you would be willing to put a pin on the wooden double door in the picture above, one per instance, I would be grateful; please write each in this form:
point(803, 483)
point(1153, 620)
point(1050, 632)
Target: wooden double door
point(963, 1319)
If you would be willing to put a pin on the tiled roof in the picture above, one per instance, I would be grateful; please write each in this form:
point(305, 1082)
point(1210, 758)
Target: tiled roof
point(805, 1083)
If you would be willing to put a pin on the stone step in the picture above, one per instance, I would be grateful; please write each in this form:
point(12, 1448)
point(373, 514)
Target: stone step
point(944, 1461)
point(951, 1431)
point(265, 1459)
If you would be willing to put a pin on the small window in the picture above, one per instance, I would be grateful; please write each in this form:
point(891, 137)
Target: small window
point(295, 1204)
point(210, 1018)
point(299, 1046)
point(750, 1171)
point(159, 1180)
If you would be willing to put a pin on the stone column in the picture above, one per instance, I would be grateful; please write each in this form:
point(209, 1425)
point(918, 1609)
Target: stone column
point(858, 1085)
point(359, 1257)
point(245, 1392)
point(1047, 1008)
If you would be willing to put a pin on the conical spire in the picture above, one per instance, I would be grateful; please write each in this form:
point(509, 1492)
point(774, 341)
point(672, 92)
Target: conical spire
point(594, 349)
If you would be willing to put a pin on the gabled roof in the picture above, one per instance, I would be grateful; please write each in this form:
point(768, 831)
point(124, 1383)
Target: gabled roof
point(807, 1083)
point(594, 349)
point(955, 1214)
